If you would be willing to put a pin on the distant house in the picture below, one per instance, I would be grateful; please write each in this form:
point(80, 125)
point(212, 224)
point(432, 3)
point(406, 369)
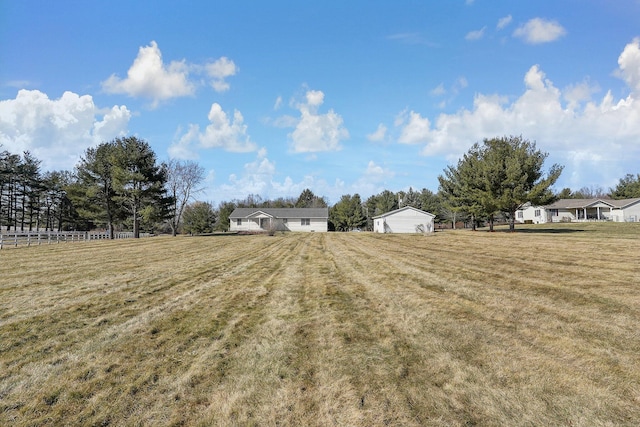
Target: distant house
point(279, 219)
point(404, 220)
point(566, 210)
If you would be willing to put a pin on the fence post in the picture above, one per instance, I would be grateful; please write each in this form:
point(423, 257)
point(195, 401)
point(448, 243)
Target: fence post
point(1, 241)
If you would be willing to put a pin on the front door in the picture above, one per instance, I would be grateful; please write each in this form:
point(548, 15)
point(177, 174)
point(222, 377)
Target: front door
point(265, 223)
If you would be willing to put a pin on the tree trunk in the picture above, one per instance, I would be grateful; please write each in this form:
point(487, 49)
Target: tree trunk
point(110, 220)
point(11, 204)
point(491, 222)
point(48, 216)
point(136, 222)
point(512, 221)
point(110, 226)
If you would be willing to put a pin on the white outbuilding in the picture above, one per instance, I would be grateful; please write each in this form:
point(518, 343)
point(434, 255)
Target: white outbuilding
point(404, 220)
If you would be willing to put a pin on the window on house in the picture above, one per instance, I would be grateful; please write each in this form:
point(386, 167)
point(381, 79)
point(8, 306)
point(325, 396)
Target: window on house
point(284, 220)
point(305, 221)
point(520, 214)
point(239, 221)
point(537, 212)
point(554, 212)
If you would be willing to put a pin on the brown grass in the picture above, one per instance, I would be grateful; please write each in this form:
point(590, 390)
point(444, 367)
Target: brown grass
point(538, 327)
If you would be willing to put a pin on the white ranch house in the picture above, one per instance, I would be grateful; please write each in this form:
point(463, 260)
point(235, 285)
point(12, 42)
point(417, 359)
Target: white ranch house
point(279, 219)
point(404, 220)
point(578, 210)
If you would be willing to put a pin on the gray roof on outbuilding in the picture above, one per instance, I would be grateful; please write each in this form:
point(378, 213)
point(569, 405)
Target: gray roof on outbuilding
point(404, 209)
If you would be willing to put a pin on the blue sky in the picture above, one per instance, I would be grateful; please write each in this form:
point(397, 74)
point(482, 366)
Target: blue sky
point(339, 97)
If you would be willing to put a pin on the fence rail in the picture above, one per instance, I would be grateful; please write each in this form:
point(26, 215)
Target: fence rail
point(15, 239)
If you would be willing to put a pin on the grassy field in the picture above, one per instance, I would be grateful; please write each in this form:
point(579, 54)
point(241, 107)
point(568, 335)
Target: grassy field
point(537, 327)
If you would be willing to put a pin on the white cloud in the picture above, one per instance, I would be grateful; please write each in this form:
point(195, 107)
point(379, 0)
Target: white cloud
point(315, 98)
point(475, 35)
point(149, 77)
point(504, 22)
point(575, 94)
point(316, 132)
point(285, 121)
point(629, 62)
point(183, 149)
point(377, 173)
point(373, 180)
point(459, 84)
point(58, 131)
point(278, 103)
point(257, 178)
point(416, 130)
point(219, 70)
point(224, 132)
point(260, 177)
point(412, 38)
point(439, 90)
point(379, 134)
point(604, 131)
point(538, 30)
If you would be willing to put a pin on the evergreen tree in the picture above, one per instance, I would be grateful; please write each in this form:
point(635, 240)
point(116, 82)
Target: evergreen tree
point(57, 209)
point(347, 214)
point(94, 196)
point(224, 210)
point(30, 190)
point(386, 201)
point(199, 217)
point(499, 176)
point(139, 181)
point(9, 184)
point(430, 202)
point(565, 193)
point(309, 200)
point(627, 188)
point(118, 180)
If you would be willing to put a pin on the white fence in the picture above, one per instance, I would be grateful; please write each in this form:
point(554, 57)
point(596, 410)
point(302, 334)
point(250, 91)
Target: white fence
point(15, 239)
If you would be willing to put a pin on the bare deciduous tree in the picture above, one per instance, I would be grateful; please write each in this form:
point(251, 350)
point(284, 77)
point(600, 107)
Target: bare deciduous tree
point(184, 178)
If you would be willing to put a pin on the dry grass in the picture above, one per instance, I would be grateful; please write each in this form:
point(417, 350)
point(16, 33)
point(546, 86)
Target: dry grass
point(538, 327)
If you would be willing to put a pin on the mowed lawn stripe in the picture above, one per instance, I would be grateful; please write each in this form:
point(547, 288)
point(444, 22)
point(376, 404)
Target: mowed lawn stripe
point(529, 335)
point(324, 329)
point(113, 325)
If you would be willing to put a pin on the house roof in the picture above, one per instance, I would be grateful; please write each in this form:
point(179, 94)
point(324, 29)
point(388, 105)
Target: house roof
point(585, 203)
point(404, 209)
point(281, 212)
point(623, 203)
point(576, 203)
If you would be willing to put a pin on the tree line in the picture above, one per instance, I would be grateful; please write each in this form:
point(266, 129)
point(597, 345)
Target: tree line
point(118, 185)
point(121, 185)
point(31, 199)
